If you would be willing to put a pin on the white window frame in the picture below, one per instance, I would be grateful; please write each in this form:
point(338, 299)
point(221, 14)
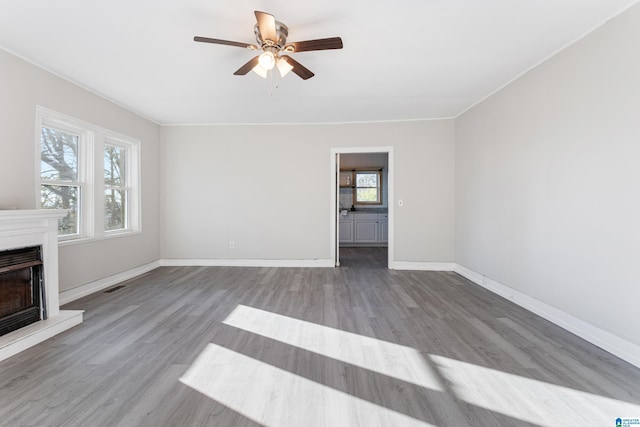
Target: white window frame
point(378, 188)
point(91, 175)
point(124, 184)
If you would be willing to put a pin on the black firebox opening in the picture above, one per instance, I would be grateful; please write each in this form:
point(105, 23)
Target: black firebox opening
point(21, 288)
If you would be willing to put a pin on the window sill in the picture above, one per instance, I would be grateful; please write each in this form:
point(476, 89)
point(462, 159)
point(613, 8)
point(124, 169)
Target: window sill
point(107, 236)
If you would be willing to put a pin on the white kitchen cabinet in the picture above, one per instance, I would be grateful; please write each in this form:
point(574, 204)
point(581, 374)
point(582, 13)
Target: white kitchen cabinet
point(363, 228)
point(345, 228)
point(346, 231)
point(366, 227)
point(383, 228)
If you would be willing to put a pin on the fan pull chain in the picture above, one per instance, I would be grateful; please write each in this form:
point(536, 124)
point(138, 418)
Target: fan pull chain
point(273, 86)
point(272, 74)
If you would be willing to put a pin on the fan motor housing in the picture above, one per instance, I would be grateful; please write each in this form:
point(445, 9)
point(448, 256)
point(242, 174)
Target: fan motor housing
point(282, 31)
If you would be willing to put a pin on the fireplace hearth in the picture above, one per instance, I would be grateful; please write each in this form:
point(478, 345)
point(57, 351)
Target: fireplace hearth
point(21, 290)
point(29, 243)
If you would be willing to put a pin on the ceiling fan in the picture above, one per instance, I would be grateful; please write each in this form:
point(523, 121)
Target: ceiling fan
point(271, 36)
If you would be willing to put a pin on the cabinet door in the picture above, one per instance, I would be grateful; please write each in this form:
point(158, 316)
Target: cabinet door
point(383, 231)
point(345, 231)
point(383, 227)
point(366, 231)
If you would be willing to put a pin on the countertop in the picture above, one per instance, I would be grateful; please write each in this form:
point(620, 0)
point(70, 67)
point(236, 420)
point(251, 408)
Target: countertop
point(365, 210)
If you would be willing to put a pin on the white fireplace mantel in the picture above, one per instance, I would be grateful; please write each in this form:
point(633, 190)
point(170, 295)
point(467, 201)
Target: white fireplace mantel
point(39, 227)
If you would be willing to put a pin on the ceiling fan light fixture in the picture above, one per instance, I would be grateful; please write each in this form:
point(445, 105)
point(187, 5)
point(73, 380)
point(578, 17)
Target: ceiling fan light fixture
point(271, 37)
point(283, 66)
point(260, 71)
point(267, 60)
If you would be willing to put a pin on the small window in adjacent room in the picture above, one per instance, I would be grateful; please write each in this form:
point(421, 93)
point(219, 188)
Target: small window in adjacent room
point(368, 188)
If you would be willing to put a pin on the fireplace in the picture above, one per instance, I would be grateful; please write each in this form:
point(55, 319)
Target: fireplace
point(21, 290)
point(29, 291)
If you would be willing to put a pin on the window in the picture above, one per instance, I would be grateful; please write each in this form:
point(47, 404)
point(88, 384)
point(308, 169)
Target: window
point(103, 201)
point(115, 188)
point(368, 187)
point(59, 176)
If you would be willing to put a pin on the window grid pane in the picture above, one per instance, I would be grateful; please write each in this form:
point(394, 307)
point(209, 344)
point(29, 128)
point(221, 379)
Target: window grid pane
point(114, 161)
point(367, 195)
point(115, 209)
point(367, 180)
point(63, 197)
point(58, 155)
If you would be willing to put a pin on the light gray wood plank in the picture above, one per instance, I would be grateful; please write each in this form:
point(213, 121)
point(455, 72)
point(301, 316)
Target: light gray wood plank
point(121, 367)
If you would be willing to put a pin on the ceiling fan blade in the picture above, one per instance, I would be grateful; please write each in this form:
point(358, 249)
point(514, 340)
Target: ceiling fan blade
point(267, 26)
point(247, 67)
point(319, 44)
point(224, 42)
point(298, 68)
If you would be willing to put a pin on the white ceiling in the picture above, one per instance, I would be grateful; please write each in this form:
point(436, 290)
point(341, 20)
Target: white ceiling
point(406, 59)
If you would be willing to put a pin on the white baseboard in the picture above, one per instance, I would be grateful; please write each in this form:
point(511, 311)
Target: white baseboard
point(423, 266)
point(98, 285)
point(218, 262)
point(615, 345)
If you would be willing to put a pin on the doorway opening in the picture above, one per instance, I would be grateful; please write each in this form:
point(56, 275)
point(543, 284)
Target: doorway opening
point(363, 257)
point(362, 208)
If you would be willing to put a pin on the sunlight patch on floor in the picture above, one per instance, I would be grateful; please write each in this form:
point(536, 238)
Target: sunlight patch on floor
point(275, 397)
point(393, 360)
point(526, 399)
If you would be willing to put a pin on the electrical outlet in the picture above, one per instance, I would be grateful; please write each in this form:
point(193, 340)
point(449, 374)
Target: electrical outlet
point(232, 245)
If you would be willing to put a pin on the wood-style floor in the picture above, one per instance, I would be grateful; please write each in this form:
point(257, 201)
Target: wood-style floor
point(355, 345)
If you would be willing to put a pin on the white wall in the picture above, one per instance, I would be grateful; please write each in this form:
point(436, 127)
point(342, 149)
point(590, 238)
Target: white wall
point(22, 87)
point(267, 188)
point(548, 181)
point(541, 180)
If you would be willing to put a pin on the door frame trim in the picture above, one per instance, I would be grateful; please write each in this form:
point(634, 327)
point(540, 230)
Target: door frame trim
point(333, 197)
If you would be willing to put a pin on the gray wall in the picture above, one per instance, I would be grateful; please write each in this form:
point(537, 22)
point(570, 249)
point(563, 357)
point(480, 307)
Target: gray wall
point(267, 188)
point(22, 87)
point(547, 181)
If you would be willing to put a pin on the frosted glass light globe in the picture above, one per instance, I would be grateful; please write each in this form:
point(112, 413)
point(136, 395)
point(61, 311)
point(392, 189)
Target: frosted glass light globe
point(267, 60)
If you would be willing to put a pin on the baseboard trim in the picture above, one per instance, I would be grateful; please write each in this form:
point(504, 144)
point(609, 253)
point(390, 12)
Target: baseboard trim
point(423, 266)
point(218, 262)
point(98, 285)
point(607, 341)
